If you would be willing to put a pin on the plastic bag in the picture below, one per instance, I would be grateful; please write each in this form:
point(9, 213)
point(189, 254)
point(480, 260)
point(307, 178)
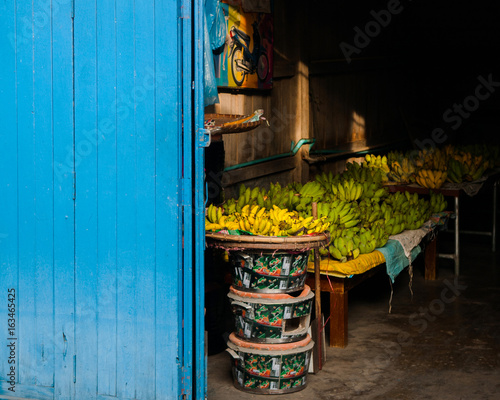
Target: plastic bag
point(215, 37)
point(216, 23)
point(210, 94)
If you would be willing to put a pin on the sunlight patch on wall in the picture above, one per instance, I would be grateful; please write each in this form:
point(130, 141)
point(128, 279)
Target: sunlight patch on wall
point(358, 129)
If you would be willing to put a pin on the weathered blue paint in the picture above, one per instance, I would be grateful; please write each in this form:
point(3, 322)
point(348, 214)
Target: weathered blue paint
point(101, 199)
point(199, 205)
point(187, 197)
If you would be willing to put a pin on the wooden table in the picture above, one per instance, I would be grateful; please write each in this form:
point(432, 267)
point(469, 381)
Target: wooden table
point(339, 291)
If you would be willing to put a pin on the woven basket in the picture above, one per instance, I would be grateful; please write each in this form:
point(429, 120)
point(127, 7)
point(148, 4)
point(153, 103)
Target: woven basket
point(292, 243)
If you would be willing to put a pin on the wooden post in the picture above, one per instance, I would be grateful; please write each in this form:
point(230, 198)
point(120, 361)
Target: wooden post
point(317, 294)
point(430, 259)
point(338, 313)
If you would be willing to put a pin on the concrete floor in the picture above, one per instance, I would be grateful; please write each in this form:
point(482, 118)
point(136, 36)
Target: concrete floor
point(438, 344)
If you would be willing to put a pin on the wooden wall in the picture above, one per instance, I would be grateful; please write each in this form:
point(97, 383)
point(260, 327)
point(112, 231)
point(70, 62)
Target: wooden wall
point(315, 95)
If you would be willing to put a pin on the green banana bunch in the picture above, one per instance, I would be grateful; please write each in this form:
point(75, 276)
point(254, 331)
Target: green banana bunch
point(437, 202)
point(347, 190)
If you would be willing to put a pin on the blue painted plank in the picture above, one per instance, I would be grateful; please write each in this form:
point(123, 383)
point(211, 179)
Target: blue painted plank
point(168, 223)
point(107, 197)
point(8, 181)
point(44, 233)
point(86, 199)
point(126, 202)
point(145, 188)
point(26, 193)
point(64, 218)
point(200, 390)
point(187, 194)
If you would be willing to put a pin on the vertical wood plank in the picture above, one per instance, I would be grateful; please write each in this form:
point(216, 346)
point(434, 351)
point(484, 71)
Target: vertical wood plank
point(107, 198)
point(86, 198)
point(8, 177)
point(145, 189)
point(64, 218)
point(44, 228)
point(126, 206)
point(188, 144)
point(199, 354)
point(168, 224)
point(27, 220)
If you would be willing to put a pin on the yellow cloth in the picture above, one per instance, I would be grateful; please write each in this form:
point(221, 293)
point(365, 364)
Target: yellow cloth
point(357, 266)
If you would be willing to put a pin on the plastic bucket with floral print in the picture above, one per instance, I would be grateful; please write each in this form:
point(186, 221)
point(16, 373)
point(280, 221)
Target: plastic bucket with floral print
point(270, 368)
point(271, 318)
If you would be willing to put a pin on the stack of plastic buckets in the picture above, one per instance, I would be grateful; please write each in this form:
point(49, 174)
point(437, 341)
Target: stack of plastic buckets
point(271, 348)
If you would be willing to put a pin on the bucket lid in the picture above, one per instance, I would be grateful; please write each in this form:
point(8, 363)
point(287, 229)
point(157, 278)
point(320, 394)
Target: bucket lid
point(270, 296)
point(278, 347)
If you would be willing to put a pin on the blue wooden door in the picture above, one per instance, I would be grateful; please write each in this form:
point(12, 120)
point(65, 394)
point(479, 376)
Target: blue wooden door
point(100, 200)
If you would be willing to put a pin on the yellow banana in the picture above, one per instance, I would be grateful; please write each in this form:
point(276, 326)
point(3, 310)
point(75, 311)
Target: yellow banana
point(262, 225)
point(267, 228)
point(213, 227)
point(261, 212)
point(254, 209)
point(222, 220)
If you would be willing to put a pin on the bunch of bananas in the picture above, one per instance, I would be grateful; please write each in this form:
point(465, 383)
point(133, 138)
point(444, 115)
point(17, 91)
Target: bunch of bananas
point(361, 174)
point(455, 171)
point(402, 201)
point(348, 190)
point(413, 219)
point(283, 197)
point(258, 220)
point(431, 179)
point(247, 197)
point(344, 248)
point(437, 202)
point(353, 242)
point(402, 172)
point(311, 192)
point(402, 210)
point(490, 153)
point(466, 167)
point(433, 158)
point(312, 189)
point(326, 179)
point(370, 212)
point(373, 192)
point(380, 162)
point(353, 184)
point(215, 220)
point(394, 222)
point(395, 155)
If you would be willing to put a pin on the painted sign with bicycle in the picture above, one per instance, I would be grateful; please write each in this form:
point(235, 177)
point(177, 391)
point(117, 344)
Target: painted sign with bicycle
point(246, 59)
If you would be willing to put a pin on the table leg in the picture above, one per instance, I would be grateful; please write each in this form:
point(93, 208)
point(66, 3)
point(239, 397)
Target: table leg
point(430, 259)
point(338, 313)
point(457, 237)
